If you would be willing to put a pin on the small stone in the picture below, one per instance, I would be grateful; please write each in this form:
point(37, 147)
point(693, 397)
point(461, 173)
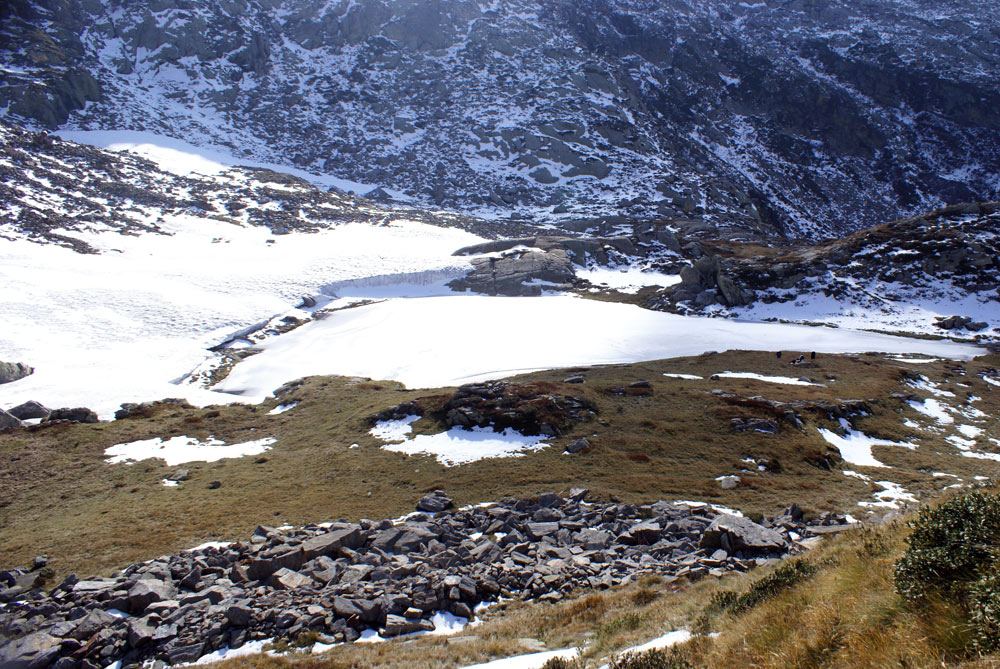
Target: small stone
point(728, 482)
point(435, 502)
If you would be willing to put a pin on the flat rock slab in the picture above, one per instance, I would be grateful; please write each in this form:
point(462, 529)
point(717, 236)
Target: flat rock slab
point(735, 533)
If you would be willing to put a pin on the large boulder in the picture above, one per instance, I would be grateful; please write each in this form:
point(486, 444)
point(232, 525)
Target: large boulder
point(331, 542)
point(147, 591)
point(30, 652)
point(77, 415)
point(14, 371)
point(29, 410)
point(8, 421)
point(434, 502)
point(735, 533)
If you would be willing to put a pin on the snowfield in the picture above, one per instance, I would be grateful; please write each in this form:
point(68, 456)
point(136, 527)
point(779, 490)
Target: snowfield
point(129, 324)
point(123, 325)
point(447, 340)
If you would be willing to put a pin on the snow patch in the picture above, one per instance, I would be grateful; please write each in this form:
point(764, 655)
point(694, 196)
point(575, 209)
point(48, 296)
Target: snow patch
point(787, 380)
point(856, 447)
point(178, 450)
point(458, 446)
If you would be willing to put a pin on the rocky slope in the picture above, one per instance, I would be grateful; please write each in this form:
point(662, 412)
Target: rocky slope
point(338, 579)
point(792, 117)
point(50, 189)
point(947, 258)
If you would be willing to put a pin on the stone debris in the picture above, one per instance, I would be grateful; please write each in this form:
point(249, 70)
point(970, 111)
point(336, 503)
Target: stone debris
point(338, 579)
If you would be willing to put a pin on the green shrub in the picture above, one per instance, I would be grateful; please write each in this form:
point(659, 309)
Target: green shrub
point(984, 612)
point(652, 659)
point(952, 556)
point(949, 548)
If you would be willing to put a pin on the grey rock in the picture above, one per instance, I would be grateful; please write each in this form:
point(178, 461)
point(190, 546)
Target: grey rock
point(435, 502)
point(145, 592)
point(14, 371)
point(92, 623)
point(29, 410)
point(77, 415)
point(7, 421)
point(577, 445)
point(240, 613)
point(33, 651)
point(286, 579)
point(742, 534)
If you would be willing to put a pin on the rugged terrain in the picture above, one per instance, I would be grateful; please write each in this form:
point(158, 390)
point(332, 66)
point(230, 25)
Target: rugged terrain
point(794, 118)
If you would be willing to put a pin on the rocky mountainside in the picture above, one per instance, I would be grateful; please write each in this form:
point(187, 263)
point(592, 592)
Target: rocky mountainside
point(791, 117)
point(949, 256)
point(51, 189)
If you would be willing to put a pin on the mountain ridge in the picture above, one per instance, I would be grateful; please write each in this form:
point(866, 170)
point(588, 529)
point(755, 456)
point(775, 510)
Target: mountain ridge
point(786, 117)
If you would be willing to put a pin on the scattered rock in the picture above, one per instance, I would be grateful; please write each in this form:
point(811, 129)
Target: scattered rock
point(735, 533)
point(339, 579)
point(728, 482)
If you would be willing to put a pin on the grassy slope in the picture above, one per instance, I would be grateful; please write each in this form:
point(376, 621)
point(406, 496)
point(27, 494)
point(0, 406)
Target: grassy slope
point(58, 497)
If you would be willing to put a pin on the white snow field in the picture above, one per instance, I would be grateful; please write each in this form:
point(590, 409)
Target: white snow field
point(122, 325)
point(448, 340)
point(180, 157)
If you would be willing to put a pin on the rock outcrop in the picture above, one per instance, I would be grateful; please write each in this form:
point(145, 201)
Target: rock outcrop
point(546, 107)
point(14, 371)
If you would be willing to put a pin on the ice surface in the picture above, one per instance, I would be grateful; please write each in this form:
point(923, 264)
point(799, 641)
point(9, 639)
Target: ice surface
point(121, 326)
point(451, 340)
point(689, 377)
point(178, 450)
point(282, 408)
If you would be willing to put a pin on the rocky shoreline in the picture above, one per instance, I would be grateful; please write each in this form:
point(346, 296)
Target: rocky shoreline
point(332, 581)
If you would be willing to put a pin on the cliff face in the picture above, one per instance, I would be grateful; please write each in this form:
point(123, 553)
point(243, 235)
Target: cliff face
point(793, 117)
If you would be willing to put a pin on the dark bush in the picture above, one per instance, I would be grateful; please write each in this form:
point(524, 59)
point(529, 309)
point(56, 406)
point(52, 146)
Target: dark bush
point(953, 556)
point(652, 659)
point(950, 548)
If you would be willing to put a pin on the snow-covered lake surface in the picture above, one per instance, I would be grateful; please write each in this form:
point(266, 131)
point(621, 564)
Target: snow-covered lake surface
point(128, 324)
point(454, 339)
point(122, 325)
